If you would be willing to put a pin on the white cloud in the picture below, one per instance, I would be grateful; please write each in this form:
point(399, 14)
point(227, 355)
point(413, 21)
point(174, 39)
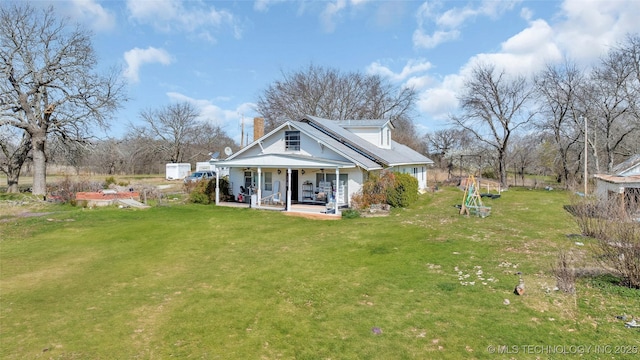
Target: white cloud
point(263, 5)
point(413, 67)
point(441, 100)
point(447, 24)
point(137, 57)
point(582, 30)
point(591, 27)
point(187, 16)
point(426, 41)
point(92, 14)
point(331, 11)
point(228, 120)
point(526, 14)
point(526, 52)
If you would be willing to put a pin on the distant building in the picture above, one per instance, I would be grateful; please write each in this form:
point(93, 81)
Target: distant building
point(624, 184)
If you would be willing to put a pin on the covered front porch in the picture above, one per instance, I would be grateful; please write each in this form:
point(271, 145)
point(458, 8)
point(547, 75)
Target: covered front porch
point(287, 182)
point(302, 210)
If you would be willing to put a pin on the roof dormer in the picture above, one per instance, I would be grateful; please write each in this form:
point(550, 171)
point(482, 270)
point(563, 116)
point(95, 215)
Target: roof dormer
point(377, 132)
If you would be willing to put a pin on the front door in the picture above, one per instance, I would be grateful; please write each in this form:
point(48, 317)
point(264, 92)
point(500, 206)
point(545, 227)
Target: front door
point(294, 186)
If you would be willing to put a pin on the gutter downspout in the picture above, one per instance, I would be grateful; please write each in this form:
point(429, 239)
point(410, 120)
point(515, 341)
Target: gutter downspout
point(217, 187)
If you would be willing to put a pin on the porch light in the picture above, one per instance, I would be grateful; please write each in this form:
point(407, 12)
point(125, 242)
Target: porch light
point(279, 171)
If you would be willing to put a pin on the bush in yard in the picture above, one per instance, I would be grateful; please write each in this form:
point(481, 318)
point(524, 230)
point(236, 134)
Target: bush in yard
point(199, 193)
point(204, 191)
point(618, 236)
point(225, 190)
point(395, 189)
point(403, 192)
point(108, 181)
point(65, 190)
point(621, 251)
point(373, 190)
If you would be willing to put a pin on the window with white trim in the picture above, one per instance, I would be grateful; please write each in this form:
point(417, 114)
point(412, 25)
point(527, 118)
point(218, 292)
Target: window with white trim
point(268, 184)
point(292, 140)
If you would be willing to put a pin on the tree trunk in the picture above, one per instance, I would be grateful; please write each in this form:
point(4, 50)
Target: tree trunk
point(39, 165)
point(12, 183)
point(502, 169)
point(15, 158)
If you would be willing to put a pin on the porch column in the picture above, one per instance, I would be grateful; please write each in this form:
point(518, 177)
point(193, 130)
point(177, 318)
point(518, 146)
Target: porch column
point(337, 190)
point(259, 192)
point(217, 187)
point(288, 189)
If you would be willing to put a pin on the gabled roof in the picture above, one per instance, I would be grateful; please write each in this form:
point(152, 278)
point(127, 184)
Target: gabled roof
point(331, 134)
point(357, 158)
point(398, 154)
point(375, 123)
point(628, 166)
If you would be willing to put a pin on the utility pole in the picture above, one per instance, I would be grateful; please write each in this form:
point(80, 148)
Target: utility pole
point(585, 154)
point(242, 132)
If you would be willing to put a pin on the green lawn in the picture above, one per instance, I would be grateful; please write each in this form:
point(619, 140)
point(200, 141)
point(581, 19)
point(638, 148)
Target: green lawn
point(206, 282)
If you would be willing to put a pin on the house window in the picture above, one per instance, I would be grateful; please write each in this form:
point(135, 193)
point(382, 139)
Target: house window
point(292, 140)
point(268, 184)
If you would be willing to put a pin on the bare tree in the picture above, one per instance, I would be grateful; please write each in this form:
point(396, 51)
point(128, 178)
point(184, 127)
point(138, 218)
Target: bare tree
point(522, 154)
point(48, 85)
point(15, 145)
point(494, 105)
point(327, 93)
point(612, 106)
point(209, 140)
point(559, 89)
point(174, 126)
point(441, 143)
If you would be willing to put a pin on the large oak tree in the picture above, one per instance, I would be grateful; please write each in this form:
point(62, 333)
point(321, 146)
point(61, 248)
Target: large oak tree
point(49, 84)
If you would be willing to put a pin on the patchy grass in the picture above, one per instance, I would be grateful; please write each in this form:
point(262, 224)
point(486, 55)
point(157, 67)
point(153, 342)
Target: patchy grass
point(193, 281)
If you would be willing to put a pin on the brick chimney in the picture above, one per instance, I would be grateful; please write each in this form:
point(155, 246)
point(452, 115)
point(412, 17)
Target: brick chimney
point(258, 128)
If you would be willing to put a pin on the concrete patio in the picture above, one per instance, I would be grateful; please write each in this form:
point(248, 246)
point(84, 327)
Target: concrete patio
point(302, 210)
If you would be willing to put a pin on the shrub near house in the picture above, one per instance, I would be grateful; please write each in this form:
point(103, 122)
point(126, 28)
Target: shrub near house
point(392, 188)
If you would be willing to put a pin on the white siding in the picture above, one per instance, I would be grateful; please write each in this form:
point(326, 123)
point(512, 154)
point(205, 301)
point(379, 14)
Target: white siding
point(308, 147)
point(371, 135)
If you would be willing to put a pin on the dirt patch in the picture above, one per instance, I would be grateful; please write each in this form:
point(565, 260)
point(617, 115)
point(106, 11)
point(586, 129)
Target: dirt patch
point(312, 215)
point(26, 215)
point(22, 208)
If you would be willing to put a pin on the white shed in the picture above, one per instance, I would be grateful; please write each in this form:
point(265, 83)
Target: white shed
point(177, 171)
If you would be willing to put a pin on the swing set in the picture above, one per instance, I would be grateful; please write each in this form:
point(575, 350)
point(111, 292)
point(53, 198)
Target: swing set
point(472, 200)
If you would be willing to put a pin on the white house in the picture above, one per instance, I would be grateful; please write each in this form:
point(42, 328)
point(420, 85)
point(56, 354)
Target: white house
point(300, 161)
point(623, 184)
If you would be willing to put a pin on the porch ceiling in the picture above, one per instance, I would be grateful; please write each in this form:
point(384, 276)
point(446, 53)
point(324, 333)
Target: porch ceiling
point(284, 161)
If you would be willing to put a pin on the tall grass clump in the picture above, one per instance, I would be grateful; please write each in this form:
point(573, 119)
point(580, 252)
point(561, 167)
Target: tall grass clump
point(565, 272)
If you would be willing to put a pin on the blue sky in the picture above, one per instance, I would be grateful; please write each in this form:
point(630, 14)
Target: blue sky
point(220, 56)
